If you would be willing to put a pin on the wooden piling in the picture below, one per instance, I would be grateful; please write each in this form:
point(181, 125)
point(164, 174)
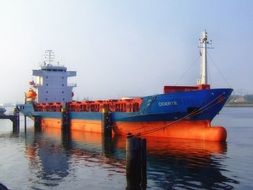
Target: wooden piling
point(107, 145)
point(15, 120)
point(25, 122)
point(66, 137)
point(37, 123)
point(106, 129)
point(135, 162)
point(143, 163)
point(65, 129)
point(106, 123)
point(65, 119)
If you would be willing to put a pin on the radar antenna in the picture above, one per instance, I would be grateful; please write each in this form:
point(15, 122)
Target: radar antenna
point(49, 57)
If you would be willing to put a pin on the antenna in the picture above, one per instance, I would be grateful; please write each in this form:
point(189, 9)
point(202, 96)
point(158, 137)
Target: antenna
point(49, 57)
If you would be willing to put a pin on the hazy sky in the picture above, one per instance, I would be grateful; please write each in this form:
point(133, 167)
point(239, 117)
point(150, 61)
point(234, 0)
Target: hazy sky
point(126, 48)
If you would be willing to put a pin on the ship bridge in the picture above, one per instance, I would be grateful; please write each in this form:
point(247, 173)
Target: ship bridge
point(51, 82)
point(50, 67)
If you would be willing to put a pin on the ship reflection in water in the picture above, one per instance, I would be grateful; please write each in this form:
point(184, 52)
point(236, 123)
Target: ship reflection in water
point(172, 164)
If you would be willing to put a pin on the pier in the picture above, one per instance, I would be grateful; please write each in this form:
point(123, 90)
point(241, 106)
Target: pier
point(14, 119)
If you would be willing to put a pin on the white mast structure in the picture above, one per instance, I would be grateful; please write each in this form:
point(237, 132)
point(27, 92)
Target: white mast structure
point(203, 41)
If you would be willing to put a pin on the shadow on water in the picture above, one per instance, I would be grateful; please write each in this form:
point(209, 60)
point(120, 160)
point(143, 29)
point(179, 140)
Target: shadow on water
point(172, 164)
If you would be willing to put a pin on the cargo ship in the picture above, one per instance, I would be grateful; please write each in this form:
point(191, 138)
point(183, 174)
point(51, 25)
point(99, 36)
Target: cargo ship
point(179, 112)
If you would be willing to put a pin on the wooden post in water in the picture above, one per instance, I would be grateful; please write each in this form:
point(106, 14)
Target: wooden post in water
point(143, 163)
point(106, 123)
point(37, 123)
point(135, 162)
point(66, 138)
point(25, 123)
point(15, 120)
point(65, 119)
point(132, 162)
point(106, 129)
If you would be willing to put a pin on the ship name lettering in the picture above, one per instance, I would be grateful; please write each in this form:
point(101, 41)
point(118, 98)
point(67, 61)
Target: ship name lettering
point(172, 103)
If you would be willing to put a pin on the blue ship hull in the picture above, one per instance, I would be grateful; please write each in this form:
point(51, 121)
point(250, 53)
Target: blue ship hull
point(192, 105)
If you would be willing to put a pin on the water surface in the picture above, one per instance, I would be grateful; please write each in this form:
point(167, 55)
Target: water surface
point(54, 160)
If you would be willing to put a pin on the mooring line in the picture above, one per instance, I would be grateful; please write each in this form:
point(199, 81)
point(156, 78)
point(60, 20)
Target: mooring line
point(203, 108)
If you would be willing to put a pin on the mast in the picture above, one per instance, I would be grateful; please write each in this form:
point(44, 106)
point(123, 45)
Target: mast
point(49, 57)
point(203, 41)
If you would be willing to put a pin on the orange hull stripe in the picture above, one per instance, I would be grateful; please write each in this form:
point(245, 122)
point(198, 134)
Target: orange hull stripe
point(93, 126)
point(76, 124)
point(198, 130)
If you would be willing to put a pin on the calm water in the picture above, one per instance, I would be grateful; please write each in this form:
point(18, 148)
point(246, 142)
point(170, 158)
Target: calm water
point(51, 160)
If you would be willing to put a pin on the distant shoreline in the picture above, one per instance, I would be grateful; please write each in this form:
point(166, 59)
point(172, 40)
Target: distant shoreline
point(239, 105)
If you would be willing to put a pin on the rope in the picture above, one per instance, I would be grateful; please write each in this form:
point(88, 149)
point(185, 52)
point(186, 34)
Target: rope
point(186, 70)
point(216, 66)
point(203, 108)
point(191, 114)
